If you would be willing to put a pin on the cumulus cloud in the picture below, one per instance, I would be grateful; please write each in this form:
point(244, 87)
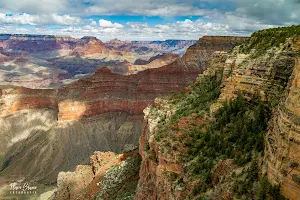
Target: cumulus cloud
point(217, 17)
point(27, 19)
point(185, 29)
point(108, 24)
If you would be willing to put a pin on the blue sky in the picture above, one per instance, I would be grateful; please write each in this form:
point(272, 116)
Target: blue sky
point(145, 19)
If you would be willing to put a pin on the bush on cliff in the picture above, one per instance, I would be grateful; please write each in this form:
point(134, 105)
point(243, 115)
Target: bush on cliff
point(263, 40)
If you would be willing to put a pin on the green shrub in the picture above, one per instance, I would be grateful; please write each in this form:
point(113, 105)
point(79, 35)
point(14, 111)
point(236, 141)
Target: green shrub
point(265, 39)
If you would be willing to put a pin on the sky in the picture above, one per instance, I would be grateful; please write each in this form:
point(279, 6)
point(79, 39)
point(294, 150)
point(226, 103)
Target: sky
point(145, 19)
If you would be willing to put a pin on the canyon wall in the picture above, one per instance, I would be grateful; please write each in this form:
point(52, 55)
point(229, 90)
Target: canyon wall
point(283, 142)
point(162, 153)
point(272, 76)
point(36, 43)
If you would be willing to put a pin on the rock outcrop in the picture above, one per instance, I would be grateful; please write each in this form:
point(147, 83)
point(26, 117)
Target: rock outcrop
point(109, 175)
point(89, 46)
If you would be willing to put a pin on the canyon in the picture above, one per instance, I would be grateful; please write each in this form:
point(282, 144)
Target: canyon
point(46, 61)
point(46, 131)
point(220, 122)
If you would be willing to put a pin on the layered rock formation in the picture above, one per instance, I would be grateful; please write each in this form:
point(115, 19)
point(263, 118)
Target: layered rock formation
point(36, 43)
point(45, 61)
point(283, 141)
point(103, 112)
point(89, 46)
point(158, 47)
point(162, 156)
point(205, 48)
point(271, 76)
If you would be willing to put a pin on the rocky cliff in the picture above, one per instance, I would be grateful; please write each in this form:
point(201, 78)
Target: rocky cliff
point(48, 131)
point(36, 43)
point(282, 141)
point(208, 142)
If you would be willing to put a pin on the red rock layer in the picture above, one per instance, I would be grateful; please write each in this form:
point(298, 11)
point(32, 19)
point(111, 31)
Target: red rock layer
point(19, 98)
point(89, 46)
point(36, 43)
point(107, 92)
point(200, 53)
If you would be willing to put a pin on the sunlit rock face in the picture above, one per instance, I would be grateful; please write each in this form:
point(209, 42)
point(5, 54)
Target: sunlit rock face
point(101, 113)
point(89, 46)
point(283, 142)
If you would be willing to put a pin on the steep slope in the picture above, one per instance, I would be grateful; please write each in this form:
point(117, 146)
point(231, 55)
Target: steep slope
point(208, 142)
point(100, 113)
point(153, 62)
point(109, 176)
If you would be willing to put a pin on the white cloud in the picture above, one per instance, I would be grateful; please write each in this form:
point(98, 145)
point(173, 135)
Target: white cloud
point(145, 7)
point(64, 19)
point(28, 19)
point(93, 23)
point(108, 24)
point(185, 29)
point(242, 18)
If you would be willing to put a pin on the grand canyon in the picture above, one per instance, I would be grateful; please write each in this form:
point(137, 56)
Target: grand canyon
point(96, 103)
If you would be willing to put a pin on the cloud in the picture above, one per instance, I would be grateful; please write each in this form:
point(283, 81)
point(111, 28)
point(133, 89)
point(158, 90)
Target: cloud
point(216, 17)
point(276, 12)
point(182, 29)
point(93, 23)
point(145, 7)
point(34, 6)
point(108, 24)
point(28, 19)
